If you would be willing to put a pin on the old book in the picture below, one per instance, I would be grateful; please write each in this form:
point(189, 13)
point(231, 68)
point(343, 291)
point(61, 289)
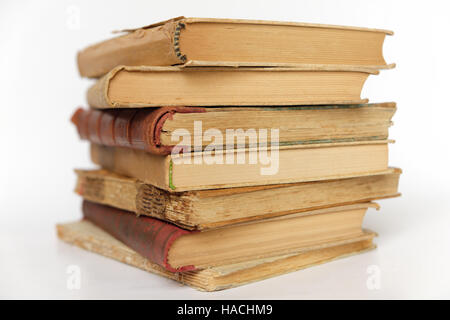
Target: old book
point(200, 210)
point(138, 87)
point(158, 130)
point(179, 250)
point(246, 167)
point(235, 42)
point(86, 235)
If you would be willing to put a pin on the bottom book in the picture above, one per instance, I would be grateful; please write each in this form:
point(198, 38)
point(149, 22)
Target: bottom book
point(90, 237)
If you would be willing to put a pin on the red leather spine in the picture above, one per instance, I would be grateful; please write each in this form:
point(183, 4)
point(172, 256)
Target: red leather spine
point(130, 128)
point(152, 238)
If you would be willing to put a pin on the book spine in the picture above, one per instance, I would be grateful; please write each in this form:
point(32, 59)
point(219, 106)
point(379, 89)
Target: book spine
point(152, 238)
point(130, 128)
point(125, 193)
point(156, 46)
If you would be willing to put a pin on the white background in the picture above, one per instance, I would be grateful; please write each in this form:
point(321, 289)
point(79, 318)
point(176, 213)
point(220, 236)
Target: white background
point(40, 87)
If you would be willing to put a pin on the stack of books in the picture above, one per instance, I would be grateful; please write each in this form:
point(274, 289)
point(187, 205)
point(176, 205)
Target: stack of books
point(231, 151)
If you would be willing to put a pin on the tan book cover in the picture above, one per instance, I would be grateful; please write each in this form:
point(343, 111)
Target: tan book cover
point(86, 235)
point(143, 86)
point(200, 210)
point(241, 167)
point(232, 42)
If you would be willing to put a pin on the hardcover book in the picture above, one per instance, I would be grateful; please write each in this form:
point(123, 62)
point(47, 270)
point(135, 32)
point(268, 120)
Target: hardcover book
point(159, 130)
point(143, 86)
point(179, 250)
point(235, 42)
point(88, 236)
point(201, 210)
point(246, 167)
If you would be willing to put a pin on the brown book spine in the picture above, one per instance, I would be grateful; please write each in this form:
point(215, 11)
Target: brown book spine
point(130, 128)
point(152, 238)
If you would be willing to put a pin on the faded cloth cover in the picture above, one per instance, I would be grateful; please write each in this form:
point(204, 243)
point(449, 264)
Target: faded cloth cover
point(160, 44)
point(131, 128)
point(149, 237)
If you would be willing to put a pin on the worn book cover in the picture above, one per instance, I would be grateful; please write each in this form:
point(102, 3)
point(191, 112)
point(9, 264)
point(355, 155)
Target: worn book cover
point(233, 42)
point(246, 167)
point(178, 250)
point(201, 210)
point(159, 130)
point(88, 236)
point(144, 86)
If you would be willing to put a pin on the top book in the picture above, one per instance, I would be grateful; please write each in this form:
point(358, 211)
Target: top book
point(230, 42)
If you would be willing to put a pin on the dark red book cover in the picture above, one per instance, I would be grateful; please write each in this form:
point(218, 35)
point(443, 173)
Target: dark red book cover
point(149, 237)
point(131, 128)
